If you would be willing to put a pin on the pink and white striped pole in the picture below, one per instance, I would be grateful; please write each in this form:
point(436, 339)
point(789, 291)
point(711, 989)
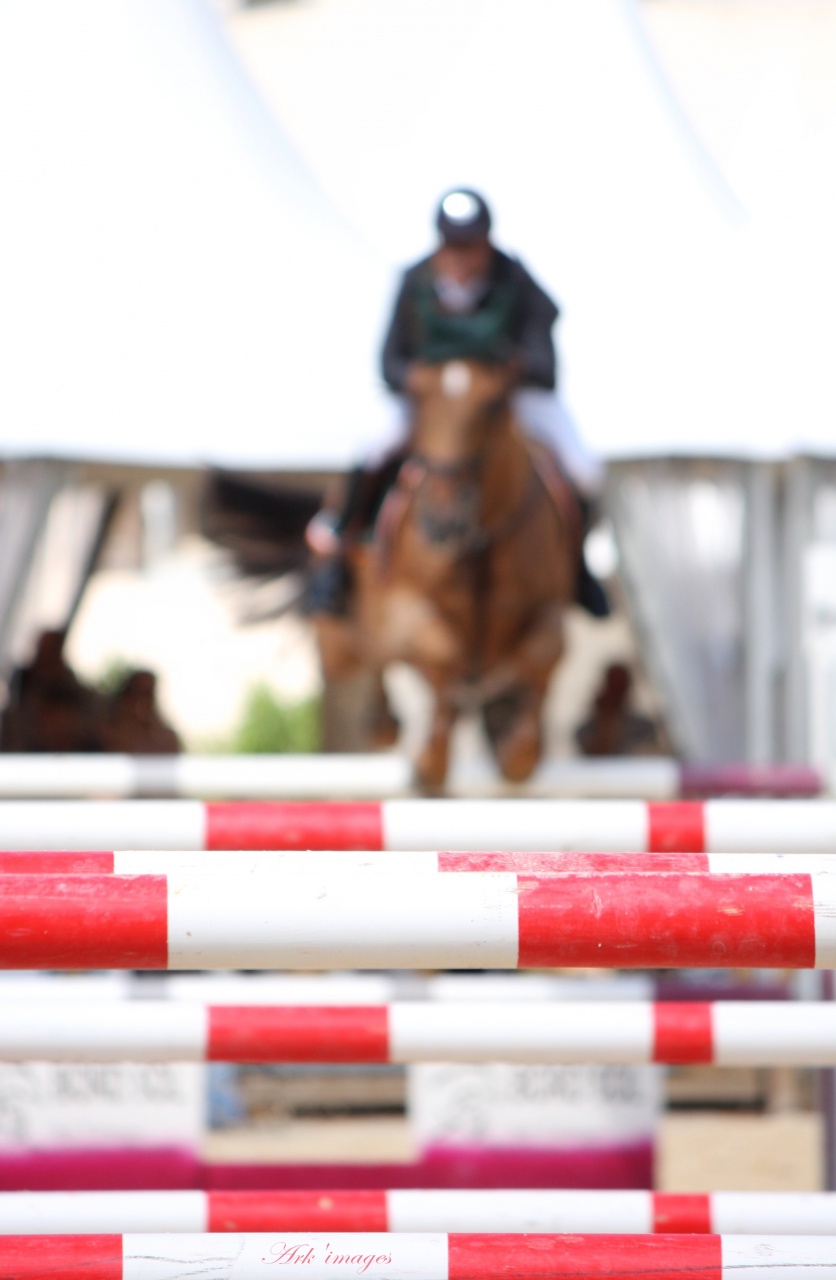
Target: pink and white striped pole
point(424, 1256)
point(492, 1212)
point(713, 826)
point(455, 921)
point(323, 862)
point(726, 1033)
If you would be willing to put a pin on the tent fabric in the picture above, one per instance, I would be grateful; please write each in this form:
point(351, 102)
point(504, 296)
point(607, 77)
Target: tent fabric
point(173, 288)
point(184, 281)
point(691, 324)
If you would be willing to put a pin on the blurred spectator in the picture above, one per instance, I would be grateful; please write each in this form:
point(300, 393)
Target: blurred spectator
point(613, 729)
point(133, 723)
point(49, 709)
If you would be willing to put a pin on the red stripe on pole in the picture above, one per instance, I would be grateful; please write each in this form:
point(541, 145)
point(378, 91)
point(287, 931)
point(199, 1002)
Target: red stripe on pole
point(646, 921)
point(575, 863)
point(271, 825)
point(685, 1214)
point(573, 1257)
point(683, 1032)
point(83, 922)
point(676, 826)
point(61, 1257)
point(249, 1033)
point(38, 862)
point(297, 1211)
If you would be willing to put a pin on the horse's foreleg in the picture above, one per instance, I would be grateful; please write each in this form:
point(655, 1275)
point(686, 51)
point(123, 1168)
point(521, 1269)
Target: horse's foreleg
point(340, 653)
point(384, 726)
point(529, 670)
point(519, 748)
point(431, 765)
point(533, 659)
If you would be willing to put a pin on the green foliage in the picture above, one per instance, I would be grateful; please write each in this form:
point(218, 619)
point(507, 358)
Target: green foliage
point(268, 726)
point(113, 676)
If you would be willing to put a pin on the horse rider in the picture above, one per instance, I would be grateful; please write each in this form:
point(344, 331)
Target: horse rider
point(467, 300)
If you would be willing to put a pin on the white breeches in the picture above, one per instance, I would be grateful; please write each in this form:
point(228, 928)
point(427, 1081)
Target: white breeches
point(543, 415)
point(540, 413)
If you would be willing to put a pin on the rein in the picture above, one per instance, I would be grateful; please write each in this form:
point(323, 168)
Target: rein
point(517, 517)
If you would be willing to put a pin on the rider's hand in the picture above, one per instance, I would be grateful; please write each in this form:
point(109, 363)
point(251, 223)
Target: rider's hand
point(418, 377)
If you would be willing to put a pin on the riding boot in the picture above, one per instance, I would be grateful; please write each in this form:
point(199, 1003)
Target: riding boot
point(329, 578)
point(589, 593)
point(328, 588)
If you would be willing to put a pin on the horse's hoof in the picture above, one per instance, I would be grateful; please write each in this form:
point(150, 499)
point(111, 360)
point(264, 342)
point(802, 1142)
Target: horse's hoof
point(500, 715)
point(431, 770)
point(519, 753)
point(430, 791)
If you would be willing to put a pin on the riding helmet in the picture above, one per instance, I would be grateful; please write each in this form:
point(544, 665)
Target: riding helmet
point(463, 215)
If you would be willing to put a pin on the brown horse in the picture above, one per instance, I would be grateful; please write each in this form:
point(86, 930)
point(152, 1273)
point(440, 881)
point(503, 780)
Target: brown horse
point(473, 562)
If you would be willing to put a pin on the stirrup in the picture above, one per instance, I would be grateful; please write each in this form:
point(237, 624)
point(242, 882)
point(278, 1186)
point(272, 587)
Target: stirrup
point(589, 593)
point(328, 589)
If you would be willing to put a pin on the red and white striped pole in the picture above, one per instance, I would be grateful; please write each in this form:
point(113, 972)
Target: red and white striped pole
point(424, 1256)
point(493, 1212)
point(322, 862)
point(726, 1033)
point(453, 921)
point(714, 826)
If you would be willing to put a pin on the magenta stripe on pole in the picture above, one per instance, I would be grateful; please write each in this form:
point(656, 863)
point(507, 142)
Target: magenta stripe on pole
point(775, 780)
point(456, 921)
point(424, 1256)
point(492, 1212)
point(728, 1033)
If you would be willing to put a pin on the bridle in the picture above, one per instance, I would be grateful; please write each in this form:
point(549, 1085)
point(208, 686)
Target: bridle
point(469, 536)
point(457, 526)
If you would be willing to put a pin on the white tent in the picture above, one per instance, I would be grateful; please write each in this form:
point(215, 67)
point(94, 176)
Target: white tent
point(690, 323)
point(176, 290)
point(173, 288)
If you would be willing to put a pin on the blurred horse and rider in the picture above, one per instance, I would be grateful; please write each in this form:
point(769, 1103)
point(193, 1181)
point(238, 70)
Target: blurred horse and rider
point(468, 300)
point(457, 544)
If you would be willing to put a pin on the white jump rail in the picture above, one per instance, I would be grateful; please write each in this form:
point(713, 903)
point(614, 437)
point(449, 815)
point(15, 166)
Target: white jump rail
point(492, 1212)
point(402, 862)
point(360, 777)
point(714, 826)
point(418, 1256)
point(726, 1033)
point(337, 988)
point(472, 920)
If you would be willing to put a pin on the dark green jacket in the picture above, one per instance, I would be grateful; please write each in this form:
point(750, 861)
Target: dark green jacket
point(513, 320)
